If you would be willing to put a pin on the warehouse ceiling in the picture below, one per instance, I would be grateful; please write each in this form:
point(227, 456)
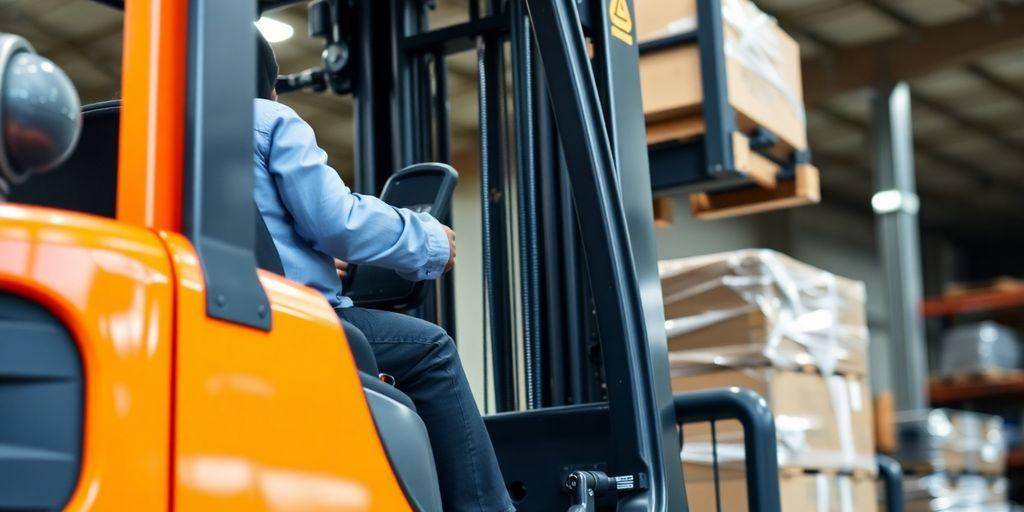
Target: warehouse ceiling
point(964, 61)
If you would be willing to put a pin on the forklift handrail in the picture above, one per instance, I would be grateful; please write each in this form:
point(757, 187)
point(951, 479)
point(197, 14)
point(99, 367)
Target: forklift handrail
point(891, 474)
point(761, 457)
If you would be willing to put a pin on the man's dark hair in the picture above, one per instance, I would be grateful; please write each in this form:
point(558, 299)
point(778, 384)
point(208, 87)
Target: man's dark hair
point(266, 68)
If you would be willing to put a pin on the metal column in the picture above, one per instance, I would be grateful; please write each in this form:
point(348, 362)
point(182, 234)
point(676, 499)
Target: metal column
point(895, 204)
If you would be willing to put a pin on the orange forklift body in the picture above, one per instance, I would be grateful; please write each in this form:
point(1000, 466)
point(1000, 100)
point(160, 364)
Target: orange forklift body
point(183, 411)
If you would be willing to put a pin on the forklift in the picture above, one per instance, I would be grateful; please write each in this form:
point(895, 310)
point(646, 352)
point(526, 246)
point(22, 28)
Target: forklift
point(153, 357)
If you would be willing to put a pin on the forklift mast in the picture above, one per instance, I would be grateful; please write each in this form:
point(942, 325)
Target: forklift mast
point(579, 147)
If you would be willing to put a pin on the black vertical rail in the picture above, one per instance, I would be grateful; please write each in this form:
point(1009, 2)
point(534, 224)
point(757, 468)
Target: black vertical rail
point(526, 189)
point(719, 118)
point(640, 418)
point(443, 153)
point(490, 67)
point(576, 303)
point(374, 56)
point(442, 117)
point(602, 63)
point(403, 111)
point(552, 308)
point(425, 103)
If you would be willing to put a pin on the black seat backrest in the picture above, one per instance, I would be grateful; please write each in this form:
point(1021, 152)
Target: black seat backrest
point(87, 181)
point(267, 256)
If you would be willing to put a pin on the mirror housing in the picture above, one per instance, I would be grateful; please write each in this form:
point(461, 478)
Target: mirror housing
point(40, 113)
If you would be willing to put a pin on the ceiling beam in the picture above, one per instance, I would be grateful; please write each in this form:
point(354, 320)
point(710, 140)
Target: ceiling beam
point(997, 82)
point(969, 217)
point(992, 80)
point(982, 128)
point(925, 50)
point(983, 178)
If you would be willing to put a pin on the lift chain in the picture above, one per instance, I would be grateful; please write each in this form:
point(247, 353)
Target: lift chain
point(584, 487)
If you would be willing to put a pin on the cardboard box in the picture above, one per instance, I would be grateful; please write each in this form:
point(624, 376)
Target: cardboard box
point(951, 441)
point(821, 423)
point(797, 492)
point(757, 307)
point(762, 71)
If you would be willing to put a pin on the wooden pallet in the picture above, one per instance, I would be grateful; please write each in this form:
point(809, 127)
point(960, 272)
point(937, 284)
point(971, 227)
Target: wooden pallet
point(857, 473)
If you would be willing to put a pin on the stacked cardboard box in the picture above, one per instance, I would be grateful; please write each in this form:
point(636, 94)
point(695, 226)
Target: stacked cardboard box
point(796, 335)
point(954, 442)
point(762, 66)
point(966, 493)
point(798, 492)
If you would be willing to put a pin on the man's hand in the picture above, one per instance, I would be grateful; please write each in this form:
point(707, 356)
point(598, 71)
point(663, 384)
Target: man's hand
point(451, 247)
point(341, 267)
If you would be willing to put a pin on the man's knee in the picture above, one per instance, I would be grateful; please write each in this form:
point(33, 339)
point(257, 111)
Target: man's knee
point(444, 348)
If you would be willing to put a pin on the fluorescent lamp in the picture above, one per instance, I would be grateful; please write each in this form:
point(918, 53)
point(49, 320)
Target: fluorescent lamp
point(273, 30)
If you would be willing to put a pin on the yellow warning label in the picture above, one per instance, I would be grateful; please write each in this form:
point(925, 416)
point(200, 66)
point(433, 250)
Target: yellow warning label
point(622, 22)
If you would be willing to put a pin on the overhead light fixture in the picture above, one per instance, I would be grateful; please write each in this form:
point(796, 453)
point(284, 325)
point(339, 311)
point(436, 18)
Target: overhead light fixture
point(273, 30)
point(889, 201)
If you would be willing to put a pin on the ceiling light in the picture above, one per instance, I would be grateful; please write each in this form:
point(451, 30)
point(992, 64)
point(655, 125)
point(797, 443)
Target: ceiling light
point(888, 201)
point(275, 31)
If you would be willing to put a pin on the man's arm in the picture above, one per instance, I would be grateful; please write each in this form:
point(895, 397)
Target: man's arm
point(353, 227)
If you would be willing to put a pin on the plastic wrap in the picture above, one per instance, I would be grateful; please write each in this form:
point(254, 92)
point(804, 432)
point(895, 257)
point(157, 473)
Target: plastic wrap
point(943, 493)
point(760, 307)
point(757, 48)
point(979, 348)
point(951, 441)
point(752, 311)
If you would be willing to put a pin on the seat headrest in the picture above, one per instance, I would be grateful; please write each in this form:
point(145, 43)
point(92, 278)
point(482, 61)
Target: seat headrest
point(87, 181)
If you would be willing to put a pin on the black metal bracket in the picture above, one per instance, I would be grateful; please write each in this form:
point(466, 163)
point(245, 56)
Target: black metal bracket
point(584, 487)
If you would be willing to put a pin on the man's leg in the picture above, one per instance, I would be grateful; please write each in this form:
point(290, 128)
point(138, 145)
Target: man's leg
point(426, 366)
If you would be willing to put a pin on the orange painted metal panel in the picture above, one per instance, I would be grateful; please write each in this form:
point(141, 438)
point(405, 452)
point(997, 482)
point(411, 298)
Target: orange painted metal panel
point(153, 113)
point(111, 286)
point(271, 421)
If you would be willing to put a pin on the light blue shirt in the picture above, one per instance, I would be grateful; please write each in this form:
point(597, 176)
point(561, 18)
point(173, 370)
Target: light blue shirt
point(313, 217)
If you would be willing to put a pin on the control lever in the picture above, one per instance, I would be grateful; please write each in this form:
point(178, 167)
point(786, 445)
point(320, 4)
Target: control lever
point(585, 487)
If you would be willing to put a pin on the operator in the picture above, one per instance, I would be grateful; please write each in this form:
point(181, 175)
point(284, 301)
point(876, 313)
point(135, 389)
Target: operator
point(314, 218)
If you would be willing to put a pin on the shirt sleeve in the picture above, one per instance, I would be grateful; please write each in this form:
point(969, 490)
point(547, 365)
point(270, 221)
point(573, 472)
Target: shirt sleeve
point(353, 227)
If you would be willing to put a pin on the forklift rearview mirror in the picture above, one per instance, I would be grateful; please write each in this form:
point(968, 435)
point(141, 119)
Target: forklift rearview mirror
point(40, 114)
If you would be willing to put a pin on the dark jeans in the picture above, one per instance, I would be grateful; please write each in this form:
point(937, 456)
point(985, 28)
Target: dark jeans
point(426, 366)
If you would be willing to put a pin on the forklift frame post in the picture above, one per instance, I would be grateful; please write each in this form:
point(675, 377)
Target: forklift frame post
point(218, 159)
point(891, 474)
point(641, 412)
